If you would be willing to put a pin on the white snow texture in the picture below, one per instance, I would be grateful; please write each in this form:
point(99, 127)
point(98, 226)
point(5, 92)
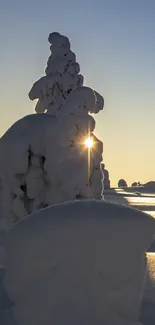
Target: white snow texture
point(80, 262)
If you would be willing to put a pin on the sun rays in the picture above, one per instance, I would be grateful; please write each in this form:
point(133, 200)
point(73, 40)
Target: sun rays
point(89, 143)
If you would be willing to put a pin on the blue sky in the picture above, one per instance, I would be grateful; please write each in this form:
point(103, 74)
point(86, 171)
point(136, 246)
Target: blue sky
point(114, 44)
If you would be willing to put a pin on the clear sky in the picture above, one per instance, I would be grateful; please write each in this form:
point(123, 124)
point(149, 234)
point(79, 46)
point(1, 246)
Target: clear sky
point(114, 41)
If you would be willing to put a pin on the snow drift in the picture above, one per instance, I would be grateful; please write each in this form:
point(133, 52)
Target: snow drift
point(80, 262)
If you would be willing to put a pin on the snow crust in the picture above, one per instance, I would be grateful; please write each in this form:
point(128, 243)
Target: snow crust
point(80, 262)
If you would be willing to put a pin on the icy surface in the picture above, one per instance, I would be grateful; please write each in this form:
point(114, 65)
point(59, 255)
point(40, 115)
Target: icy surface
point(75, 263)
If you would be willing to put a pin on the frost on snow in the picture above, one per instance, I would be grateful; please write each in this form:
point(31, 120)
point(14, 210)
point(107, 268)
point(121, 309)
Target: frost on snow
point(75, 263)
point(44, 158)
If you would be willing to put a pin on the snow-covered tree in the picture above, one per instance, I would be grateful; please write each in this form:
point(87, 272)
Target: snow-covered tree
point(106, 180)
point(45, 159)
point(62, 76)
point(122, 183)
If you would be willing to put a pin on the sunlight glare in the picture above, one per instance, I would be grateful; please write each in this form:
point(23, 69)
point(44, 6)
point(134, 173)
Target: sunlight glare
point(89, 142)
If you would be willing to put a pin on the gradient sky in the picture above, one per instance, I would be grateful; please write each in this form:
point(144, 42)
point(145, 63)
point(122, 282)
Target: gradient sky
point(114, 41)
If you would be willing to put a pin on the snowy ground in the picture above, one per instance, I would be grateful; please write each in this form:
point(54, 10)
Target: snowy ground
point(146, 203)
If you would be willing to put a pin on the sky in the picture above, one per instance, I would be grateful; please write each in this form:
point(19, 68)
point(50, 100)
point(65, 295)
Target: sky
point(114, 44)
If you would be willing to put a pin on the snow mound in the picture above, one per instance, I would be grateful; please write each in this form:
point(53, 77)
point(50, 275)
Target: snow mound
point(80, 262)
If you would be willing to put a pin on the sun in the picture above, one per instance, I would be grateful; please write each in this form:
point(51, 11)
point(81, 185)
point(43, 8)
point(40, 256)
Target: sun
point(89, 142)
